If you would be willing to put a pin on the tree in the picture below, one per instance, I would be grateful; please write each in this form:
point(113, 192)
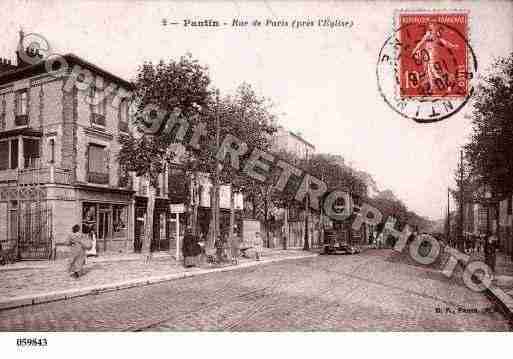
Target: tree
point(182, 85)
point(489, 151)
point(246, 116)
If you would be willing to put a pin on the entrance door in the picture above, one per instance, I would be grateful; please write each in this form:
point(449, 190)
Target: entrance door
point(103, 227)
point(140, 214)
point(160, 240)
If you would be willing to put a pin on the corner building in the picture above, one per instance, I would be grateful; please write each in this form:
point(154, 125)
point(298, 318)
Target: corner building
point(58, 162)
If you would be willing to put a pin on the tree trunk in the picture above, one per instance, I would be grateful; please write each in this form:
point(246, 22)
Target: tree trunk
point(150, 209)
point(195, 203)
point(286, 227)
point(211, 226)
point(266, 222)
point(232, 214)
point(306, 245)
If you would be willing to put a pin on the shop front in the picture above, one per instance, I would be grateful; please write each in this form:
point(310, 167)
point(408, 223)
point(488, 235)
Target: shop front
point(108, 217)
point(161, 225)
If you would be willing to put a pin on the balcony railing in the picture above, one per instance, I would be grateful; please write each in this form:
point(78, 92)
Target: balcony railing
point(50, 174)
point(98, 178)
point(8, 175)
point(21, 120)
point(98, 120)
point(30, 176)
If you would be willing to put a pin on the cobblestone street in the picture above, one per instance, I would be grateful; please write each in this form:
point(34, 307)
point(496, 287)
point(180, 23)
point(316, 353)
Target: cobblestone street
point(367, 292)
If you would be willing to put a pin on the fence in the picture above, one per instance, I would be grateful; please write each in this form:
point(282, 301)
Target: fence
point(34, 237)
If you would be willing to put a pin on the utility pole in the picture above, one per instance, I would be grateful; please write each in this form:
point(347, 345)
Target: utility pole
point(215, 190)
point(216, 193)
point(460, 234)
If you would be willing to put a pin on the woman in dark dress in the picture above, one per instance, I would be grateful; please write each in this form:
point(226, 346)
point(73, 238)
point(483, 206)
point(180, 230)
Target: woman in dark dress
point(191, 249)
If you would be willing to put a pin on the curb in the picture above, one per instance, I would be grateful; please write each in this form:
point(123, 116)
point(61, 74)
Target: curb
point(28, 300)
point(503, 300)
point(91, 261)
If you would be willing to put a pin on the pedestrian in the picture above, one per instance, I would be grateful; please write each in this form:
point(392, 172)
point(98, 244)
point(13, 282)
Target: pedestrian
point(235, 248)
point(79, 243)
point(191, 249)
point(371, 238)
point(490, 251)
point(258, 246)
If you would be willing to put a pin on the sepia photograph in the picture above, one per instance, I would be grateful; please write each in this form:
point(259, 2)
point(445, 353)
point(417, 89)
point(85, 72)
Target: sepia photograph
point(287, 171)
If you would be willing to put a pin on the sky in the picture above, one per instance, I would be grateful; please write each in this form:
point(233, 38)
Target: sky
point(321, 79)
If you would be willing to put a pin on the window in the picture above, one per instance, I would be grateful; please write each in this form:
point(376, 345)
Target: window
point(9, 161)
point(120, 220)
point(98, 171)
point(14, 153)
point(124, 177)
point(123, 116)
point(98, 101)
point(31, 152)
point(4, 155)
point(51, 149)
point(21, 102)
point(13, 219)
point(89, 217)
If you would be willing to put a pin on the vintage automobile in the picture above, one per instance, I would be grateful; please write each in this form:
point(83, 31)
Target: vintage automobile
point(333, 244)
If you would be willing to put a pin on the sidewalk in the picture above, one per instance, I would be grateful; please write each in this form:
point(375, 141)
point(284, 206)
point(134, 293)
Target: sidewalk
point(501, 290)
point(28, 283)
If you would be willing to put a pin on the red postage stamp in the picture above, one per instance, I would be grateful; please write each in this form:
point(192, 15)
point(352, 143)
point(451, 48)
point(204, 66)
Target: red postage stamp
point(433, 61)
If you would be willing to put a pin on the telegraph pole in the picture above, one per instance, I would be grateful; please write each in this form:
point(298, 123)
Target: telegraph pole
point(215, 189)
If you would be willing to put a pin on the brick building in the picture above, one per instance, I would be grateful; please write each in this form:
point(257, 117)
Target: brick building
point(58, 147)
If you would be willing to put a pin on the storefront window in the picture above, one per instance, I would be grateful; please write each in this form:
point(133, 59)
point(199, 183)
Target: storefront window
point(89, 217)
point(120, 220)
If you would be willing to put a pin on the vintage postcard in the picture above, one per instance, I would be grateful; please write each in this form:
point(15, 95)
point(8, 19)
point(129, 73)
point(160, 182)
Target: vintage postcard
point(255, 166)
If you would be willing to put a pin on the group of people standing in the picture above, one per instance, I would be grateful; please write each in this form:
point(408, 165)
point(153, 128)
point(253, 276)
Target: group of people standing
point(226, 248)
point(81, 240)
point(487, 243)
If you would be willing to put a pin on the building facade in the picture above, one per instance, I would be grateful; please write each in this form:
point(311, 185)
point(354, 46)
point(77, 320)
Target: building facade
point(285, 140)
point(58, 167)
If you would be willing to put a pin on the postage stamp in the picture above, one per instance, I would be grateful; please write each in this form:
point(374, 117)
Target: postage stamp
point(426, 68)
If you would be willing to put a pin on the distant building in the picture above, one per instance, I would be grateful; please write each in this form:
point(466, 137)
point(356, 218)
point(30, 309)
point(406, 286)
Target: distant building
point(289, 141)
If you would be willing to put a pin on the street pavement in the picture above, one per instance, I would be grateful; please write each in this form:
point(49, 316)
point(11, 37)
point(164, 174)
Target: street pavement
point(372, 291)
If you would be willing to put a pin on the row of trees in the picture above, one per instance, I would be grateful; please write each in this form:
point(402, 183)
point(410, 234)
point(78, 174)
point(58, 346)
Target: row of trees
point(186, 85)
point(485, 172)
